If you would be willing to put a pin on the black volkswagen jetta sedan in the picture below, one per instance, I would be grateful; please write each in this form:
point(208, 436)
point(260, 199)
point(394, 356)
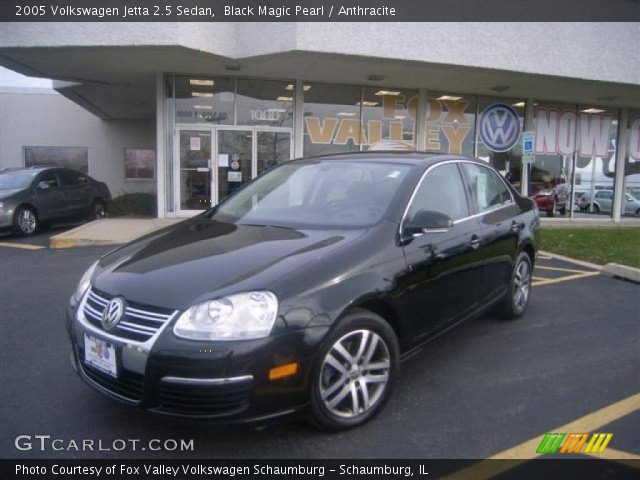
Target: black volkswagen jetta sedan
point(304, 289)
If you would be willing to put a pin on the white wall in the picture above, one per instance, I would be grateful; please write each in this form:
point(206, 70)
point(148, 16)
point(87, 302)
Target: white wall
point(42, 117)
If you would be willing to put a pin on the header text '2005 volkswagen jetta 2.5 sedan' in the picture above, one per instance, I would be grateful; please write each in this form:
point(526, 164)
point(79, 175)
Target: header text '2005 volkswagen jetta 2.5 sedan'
point(302, 291)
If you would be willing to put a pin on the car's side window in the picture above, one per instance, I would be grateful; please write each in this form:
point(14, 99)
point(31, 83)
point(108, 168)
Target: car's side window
point(70, 178)
point(50, 178)
point(441, 191)
point(488, 190)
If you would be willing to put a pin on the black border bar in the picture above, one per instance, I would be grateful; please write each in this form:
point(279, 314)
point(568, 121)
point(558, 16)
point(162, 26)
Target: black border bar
point(320, 11)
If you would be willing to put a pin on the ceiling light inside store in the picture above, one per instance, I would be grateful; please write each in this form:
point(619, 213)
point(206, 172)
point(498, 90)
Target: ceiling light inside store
point(279, 110)
point(386, 92)
point(195, 81)
point(449, 97)
point(518, 105)
point(306, 88)
point(367, 104)
point(592, 110)
point(399, 117)
point(346, 114)
point(202, 94)
point(284, 99)
point(203, 107)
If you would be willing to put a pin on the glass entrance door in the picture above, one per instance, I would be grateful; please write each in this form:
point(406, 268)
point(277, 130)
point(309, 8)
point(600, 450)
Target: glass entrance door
point(215, 161)
point(194, 176)
point(234, 160)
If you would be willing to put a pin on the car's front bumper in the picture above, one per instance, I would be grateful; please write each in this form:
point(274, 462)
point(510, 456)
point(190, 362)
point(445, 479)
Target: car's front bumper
point(227, 381)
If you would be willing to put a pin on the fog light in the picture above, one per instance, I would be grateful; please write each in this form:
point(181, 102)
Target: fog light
point(283, 371)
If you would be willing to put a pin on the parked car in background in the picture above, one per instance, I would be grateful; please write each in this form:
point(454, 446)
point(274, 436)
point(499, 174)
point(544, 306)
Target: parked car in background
point(301, 290)
point(603, 202)
point(33, 198)
point(551, 193)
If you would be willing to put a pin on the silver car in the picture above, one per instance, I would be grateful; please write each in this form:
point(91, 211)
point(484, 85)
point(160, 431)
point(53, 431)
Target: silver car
point(32, 198)
point(603, 202)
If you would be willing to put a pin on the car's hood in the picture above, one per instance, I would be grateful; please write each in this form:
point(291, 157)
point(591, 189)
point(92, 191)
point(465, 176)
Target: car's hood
point(9, 192)
point(200, 259)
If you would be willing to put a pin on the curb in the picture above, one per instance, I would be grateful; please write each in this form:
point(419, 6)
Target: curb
point(62, 242)
point(621, 271)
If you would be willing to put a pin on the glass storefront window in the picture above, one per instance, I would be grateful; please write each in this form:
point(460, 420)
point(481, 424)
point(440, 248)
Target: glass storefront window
point(331, 119)
point(450, 123)
point(389, 118)
point(500, 123)
point(204, 100)
point(631, 197)
point(265, 102)
point(574, 169)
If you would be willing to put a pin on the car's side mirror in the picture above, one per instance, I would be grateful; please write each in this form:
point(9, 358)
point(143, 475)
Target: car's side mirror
point(429, 221)
point(43, 185)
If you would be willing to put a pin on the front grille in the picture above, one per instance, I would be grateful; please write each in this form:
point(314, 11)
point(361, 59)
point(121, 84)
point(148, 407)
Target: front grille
point(139, 323)
point(204, 400)
point(128, 384)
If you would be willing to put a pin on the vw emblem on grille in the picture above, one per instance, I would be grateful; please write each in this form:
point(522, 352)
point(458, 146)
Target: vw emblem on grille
point(499, 127)
point(112, 313)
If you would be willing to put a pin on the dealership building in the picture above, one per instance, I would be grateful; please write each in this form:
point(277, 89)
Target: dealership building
point(196, 109)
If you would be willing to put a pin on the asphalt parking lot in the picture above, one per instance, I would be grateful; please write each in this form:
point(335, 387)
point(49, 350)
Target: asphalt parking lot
point(487, 388)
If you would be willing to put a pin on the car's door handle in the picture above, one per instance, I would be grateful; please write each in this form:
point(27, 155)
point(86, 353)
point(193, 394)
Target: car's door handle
point(515, 226)
point(475, 242)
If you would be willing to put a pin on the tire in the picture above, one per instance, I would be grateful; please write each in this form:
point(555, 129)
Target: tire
point(638, 211)
point(97, 211)
point(515, 301)
point(25, 221)
point(596, 208)
point(334, 387)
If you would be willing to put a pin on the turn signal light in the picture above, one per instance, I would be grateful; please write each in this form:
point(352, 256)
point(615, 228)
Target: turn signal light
point(283, 371)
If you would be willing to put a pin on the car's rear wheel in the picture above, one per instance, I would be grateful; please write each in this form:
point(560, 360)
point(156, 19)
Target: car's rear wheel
point(98, 211)
point(25, 221)
point(638, 211)
point(515, 301)
point(355, 372)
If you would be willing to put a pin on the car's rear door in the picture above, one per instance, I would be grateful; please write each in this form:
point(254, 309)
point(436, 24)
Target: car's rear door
point(50, 199)
point(443, 268)
point(77, 191)
point(500, 225)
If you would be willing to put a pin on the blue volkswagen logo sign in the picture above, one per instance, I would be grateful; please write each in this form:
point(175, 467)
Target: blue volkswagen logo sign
point(112, 313)
point(499, 127)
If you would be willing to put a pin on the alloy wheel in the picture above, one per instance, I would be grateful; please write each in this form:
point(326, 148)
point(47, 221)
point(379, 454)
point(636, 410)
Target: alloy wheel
point(99, 212)
point(355, 373)
point(27, 221)
point(521, 286)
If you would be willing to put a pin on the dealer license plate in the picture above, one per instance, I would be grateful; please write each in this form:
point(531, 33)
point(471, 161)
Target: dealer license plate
point(100, 355)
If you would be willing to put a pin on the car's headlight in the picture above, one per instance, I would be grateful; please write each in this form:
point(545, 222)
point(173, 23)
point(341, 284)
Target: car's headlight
point(85, 283)
point(243, 316)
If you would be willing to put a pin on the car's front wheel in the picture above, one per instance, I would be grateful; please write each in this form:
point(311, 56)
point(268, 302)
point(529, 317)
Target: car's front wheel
point(515, 301)
point(25, 221)
point(355, 372)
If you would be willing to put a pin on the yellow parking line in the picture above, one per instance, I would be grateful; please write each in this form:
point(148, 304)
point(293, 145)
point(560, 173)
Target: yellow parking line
point(558, 269)
point(566, 278)
point(24, 246)
point(527, 450)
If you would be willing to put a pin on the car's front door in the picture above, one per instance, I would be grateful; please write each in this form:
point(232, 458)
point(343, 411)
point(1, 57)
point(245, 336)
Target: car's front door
point(443, 267)
point(498, 217)
point(50, 197)
point(605, 199)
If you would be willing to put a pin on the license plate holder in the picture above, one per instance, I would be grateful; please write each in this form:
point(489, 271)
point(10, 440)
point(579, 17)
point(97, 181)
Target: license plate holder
point(101, 355)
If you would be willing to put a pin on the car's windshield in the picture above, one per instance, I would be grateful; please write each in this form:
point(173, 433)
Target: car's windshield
point(11, 180)
point(321, 194)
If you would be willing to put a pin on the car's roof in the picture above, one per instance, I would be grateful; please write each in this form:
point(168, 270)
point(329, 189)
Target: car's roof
point(391, 156)
point(26, 169)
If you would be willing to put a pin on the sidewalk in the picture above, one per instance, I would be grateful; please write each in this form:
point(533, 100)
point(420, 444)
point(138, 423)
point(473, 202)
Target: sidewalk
point(110, 231)
point(601, 222)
